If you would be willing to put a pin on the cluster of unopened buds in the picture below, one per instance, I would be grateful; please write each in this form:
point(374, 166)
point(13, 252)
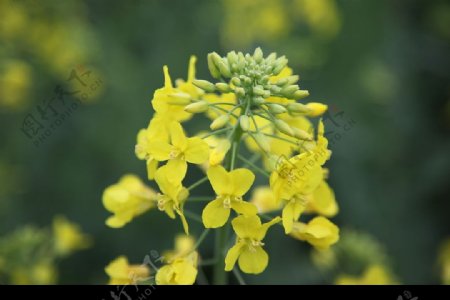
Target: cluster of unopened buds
point(253, 103)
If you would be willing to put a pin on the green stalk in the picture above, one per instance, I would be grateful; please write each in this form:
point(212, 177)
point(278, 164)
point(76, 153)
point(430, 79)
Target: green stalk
point(220, 276)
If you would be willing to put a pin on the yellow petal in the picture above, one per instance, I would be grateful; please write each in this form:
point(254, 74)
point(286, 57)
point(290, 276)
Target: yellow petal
point(253, 261)
point(241, 179)
point(152, 166)
point(263, 229)
point(160, 150)
point(177, 136)
point(215, 214)
point(185, 272)
point(288, 217)
point(191, 70)
point(164, 275)
point(246, 227)
point(219, 179)
point(243, 207)
point(197, 150)
point(176, 170)
point(324, 201)
point(233, 255)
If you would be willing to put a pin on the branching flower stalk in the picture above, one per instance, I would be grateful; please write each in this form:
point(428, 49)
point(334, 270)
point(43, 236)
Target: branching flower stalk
point(252, 101)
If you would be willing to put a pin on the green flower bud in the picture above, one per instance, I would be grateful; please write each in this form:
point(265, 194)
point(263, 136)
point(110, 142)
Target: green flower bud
point(280, 63)
point(283, 127)
point(212, 66)
point(182, 98)
point(289, 90)
point(262, 141)
point(240, 92)
point(271, 58)
point(197, 107)
point(223, 87)
point(258, 90)
point(300, 94)
point(276, 108)
point(301, 134)
point(258, 100)
point(204, 85)
point(220, 122)
point(292, 79)
point(224, 69)
point(297, 108)
point(244, 122)
point(232, 57)
point(235, 81)
point(258, 55)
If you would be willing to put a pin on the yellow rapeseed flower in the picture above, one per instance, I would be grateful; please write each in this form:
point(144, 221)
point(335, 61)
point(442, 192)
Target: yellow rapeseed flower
point(181, 268)
point(264, 199)
point(127, 199)
point(173, 195)
point(229, 188)
point(248, 250)
point(120, 272)
point(319, 232)
point(373, 275)
point(179, 151)
point(68, 236)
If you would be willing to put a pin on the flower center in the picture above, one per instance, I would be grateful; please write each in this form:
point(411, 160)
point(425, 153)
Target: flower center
point(175, 153)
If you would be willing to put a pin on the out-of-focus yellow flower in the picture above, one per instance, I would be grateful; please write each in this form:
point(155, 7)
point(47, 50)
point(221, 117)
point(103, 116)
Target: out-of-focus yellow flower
point(218, 153)
point(319, 232)
point(182, 263)
point(41, 273)
point(120, 272)
point(68, 236)
point(264, 199)
point(374, 274)
point(179, 151)
point(444, 262)
point(229, 188)
point(173, 196)
point(265, 22)
point(15, 83)
point(127, 199)
point(248, 248)
point(322, 16)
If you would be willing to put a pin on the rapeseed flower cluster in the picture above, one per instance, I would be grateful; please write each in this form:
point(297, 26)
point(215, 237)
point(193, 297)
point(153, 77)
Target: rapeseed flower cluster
point(256, 101)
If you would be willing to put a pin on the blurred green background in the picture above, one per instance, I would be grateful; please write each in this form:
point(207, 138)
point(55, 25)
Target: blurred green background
point(381, 65)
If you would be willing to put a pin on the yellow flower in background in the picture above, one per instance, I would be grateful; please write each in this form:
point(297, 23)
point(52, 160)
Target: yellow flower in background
point(127, 199)
point(120, 272)
point(173, 195)
point(41, 273)
point(15, 84)
point(248, 250)
point(319, 232)
point(229, 188)
point(179, 151)
point(264, 200)
point(264, 22)
point(182, 263)
point(322, 16)
point(444, 261)
point(373, 275)
point(68, 236)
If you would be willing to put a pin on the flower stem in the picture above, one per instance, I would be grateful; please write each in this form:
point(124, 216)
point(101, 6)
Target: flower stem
point(220, 276)
point(196, 184)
